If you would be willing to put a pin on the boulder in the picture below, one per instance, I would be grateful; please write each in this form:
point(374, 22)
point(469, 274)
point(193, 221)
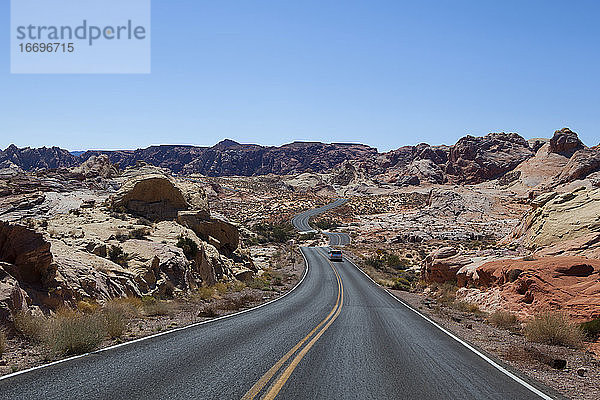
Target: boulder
point(567, 221)
point(155, 197)
point(581, 164)
point(442, 265)
point(97, 166)
point(12, 298)
point(565, 142)
point(158, 266)
point(226, 235)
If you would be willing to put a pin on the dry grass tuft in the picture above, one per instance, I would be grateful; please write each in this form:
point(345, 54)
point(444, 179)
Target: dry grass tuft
point(465, 306)
point(209, 311)
point(554, 328)
point(31, 327)
point(87, 307)
point(238, 286)
point(71, 332)
point(221, 288)
point(2, 342)
point(503, 319)
point(238, 300)
point(153, 307)
point(205, 293)
point(116, 315)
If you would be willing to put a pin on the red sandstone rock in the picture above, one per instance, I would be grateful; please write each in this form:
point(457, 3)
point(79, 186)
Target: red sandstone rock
point(559, 283)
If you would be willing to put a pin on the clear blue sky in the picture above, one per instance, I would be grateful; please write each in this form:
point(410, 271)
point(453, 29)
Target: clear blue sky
point(384, 73)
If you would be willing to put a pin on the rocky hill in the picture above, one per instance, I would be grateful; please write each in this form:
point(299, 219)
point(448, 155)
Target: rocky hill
point(471, 160)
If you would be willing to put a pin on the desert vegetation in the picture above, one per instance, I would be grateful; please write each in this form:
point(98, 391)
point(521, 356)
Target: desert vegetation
point(553, 328)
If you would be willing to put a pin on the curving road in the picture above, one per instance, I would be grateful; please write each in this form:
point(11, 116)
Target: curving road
point(336, 336)
point(302, 223)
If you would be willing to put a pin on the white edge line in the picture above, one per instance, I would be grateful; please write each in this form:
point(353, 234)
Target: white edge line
point(25, 371)
point(459, 340)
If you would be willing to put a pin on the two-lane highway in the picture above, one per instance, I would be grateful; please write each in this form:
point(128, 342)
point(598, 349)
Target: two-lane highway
point(336, 336)
point(302, 223)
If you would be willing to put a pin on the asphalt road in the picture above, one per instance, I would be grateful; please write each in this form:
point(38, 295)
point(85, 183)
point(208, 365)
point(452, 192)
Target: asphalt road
point(302, 223)
point(344, 338)
point(336, 336)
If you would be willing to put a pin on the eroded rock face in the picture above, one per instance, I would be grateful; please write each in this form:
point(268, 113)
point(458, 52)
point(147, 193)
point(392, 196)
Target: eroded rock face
point(561, 224)
point(152, 196)
point(97, 166)
point(221, 234)
point(581, 164)
point(27, 253)
point(442, 265)
point(565, 142)
point(40, 158)
point(529, 287)
point(12, 297)
point(477, 159)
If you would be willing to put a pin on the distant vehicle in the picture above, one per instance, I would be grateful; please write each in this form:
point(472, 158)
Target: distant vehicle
point(335, 255)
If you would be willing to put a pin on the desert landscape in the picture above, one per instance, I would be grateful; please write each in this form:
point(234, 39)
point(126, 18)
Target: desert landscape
point(490, 236)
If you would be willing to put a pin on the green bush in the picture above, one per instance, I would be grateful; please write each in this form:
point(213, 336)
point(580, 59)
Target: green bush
point(272, 232)
point(326, 224)
point(308, 236)
point(189, 247)
point(401, 284)
point(388, 260)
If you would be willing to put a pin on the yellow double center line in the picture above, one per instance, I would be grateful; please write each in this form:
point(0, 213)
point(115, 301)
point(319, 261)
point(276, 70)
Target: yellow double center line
point(285, 375)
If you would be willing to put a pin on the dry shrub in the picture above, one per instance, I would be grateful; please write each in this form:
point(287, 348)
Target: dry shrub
point(445, 293)
point(553, 328)
point(220, 287)
point(238, 286)
point(87, 307)
point(153, 307)
point(209, 311)
point(2, 342)
point(31, 327)
point(134, 303)
point(205, 293)
point(503, 319)
point(238, 300)
point(71, 332)
point(466, 307)
point(116, 315)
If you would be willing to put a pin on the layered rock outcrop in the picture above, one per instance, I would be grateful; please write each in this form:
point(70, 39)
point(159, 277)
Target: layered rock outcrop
point(442, 265)
point(529, 287)
point(565, 224)
point(477, 159)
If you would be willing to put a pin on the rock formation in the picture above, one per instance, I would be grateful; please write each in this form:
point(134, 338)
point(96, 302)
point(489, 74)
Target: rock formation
point(477, 159)
point(561, 224)
point(565, 142)
point(530, 287)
